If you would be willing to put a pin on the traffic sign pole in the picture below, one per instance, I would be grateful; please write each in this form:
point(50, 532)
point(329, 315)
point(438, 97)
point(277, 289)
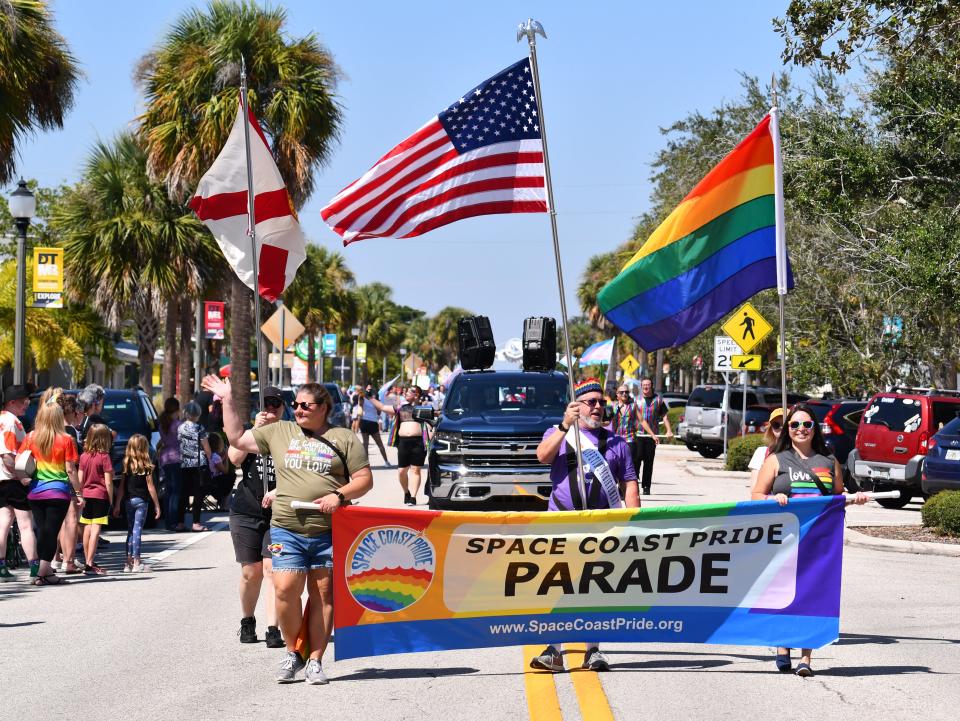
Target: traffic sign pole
point(725, 411)
point(743, 418)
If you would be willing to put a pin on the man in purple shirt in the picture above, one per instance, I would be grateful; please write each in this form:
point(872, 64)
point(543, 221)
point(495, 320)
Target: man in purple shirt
point(586, 411)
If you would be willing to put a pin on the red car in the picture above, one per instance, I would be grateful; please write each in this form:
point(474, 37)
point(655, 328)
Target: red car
point(894, 437)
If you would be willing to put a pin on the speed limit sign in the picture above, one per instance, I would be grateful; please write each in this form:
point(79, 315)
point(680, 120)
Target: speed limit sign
point(724, 349)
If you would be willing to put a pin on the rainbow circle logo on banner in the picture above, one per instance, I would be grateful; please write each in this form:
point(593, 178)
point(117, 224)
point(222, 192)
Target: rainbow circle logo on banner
point(390, 568)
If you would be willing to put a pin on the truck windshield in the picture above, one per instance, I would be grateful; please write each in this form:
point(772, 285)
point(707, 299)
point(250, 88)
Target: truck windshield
point(473, 396)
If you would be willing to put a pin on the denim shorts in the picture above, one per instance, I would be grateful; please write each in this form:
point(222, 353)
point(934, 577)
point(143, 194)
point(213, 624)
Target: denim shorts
point(292, 552)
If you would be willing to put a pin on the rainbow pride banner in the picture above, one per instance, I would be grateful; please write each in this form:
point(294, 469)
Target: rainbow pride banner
point(749, 573)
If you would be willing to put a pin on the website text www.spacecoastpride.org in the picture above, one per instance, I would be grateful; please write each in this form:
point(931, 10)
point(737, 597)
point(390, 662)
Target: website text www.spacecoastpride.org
point(618, 623)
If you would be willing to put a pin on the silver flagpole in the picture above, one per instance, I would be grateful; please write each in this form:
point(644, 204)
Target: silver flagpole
point(529, 30)
point(781, 234)
point(252, 231)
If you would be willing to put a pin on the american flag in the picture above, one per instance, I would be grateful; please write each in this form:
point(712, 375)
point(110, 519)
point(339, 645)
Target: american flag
point(480, 156)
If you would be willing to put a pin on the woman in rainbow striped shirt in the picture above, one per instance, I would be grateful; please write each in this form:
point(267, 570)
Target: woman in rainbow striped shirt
point(54, 484)
point(799, 465)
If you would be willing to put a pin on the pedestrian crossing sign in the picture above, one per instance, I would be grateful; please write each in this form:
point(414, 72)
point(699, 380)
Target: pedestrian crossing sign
point(629, 365)
point(747, 327)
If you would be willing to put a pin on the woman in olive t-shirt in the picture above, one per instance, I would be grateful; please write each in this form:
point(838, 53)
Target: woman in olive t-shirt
point(309, 456)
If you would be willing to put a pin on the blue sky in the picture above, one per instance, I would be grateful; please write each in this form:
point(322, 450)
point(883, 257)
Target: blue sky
point(613, 74)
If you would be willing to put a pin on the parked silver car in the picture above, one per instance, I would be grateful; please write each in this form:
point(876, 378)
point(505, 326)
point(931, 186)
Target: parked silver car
point(702, 427)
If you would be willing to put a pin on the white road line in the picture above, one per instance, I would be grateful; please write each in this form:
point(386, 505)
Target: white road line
point(194, 538)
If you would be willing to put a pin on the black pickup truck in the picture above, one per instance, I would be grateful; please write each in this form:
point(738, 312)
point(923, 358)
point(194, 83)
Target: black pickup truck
point(483, 451)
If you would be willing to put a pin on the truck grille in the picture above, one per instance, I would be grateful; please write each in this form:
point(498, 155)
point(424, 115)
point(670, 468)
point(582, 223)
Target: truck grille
point(489, 450)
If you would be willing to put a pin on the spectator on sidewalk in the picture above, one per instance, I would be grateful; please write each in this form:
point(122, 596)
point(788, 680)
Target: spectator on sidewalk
point(54, 486)
point(194, 452)
point(168, 449)
point(96, 486)
point(135, 491)
point(13, 492)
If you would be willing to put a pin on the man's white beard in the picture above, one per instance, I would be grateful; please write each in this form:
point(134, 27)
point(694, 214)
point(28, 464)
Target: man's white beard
point(591, 423)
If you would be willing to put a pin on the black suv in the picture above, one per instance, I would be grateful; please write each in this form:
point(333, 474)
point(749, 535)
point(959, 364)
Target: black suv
point(484, 448)
point(127, 412)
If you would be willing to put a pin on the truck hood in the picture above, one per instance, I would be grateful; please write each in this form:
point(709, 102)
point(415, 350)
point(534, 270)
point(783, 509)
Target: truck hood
point(505, 422)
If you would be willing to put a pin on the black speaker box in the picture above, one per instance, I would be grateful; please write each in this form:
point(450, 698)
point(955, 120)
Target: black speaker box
point(475, 338)
point(539, 344)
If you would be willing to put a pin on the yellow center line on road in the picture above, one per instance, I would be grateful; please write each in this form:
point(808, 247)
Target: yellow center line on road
point(542, 701)
point(594, 705)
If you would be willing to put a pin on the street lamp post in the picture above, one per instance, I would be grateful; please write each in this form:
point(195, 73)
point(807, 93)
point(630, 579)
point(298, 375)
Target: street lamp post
point(356, 334)
point(23, 205)
point(403, 353)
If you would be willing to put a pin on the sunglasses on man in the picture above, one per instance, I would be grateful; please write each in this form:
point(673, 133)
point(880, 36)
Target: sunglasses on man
point(592, 402)
point(273, 402)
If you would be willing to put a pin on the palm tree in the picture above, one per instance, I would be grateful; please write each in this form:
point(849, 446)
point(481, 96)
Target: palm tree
point(190, 81)
point(38, 76)
point(443, 333)
point(127, 246)
point(600, 270)
point(381, 325)
point(320, 297)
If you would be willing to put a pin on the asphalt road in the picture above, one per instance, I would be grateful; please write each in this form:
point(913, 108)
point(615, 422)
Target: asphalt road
point(164, 645)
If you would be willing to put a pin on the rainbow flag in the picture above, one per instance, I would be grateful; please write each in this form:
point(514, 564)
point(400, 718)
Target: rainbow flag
point(714, 251)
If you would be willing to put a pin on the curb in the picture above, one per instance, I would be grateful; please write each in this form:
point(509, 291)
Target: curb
point(695, 469)
point(852, 537)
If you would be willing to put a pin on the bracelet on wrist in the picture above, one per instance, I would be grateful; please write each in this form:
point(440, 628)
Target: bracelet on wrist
point(562, 428)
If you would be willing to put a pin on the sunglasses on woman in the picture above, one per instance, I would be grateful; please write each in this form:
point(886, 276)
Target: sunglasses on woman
point(273, 402)
point(795, 425)
point(776, 426)
point(304, 405)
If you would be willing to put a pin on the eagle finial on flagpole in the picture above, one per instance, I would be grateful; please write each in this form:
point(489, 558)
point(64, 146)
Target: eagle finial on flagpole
point(530, 29)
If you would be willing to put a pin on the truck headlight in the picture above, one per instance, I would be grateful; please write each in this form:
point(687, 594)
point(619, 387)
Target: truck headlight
point(447, 441)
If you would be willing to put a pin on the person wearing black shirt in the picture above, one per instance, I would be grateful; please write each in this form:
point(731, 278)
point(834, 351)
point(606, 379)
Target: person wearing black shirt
point(250, 528)
point(204, 399)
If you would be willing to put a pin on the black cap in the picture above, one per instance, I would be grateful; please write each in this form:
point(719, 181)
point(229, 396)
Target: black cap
point(272, 392)
point(15, 393)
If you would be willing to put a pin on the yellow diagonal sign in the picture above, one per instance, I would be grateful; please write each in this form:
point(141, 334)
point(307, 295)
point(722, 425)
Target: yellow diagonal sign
point(747, 327)
point(746, 362)
point(629, 365)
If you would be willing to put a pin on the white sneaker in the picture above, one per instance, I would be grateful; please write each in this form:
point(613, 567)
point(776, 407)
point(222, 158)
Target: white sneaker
point(291, 664)
point(315, 675)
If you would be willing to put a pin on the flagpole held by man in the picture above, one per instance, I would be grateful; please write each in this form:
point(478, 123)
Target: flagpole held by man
point(485, 154)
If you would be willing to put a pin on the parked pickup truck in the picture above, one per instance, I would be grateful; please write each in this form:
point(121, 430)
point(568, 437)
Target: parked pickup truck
point(483, 451)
